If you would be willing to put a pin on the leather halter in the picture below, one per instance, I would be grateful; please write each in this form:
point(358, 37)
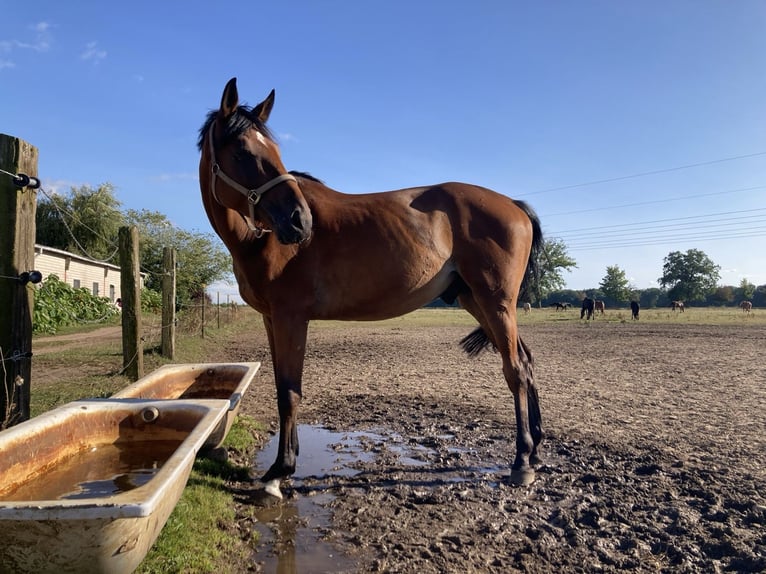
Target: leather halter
point(253, 195)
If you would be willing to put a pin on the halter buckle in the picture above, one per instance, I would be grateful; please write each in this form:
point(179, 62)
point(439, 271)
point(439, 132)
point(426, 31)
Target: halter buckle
point(254, 197)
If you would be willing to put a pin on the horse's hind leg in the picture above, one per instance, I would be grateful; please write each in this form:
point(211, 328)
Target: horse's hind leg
point(535, 418)
point(500, 327)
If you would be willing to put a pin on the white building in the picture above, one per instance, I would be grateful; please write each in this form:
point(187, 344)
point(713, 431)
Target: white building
point(100, 278)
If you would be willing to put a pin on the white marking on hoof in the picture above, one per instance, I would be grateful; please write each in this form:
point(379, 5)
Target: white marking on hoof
point(272, 488)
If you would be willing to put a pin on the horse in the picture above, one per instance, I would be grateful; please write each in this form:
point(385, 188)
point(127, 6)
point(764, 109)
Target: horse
point(599, 306)
point(527, 308)
point(678, 305)
point(303, 251)
point(561, 306)
point(747, 306)
point(634, 309)
point(588, 305)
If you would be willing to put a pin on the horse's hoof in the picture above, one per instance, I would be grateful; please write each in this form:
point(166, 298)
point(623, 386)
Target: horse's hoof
point(272, 488)
point(522, 476)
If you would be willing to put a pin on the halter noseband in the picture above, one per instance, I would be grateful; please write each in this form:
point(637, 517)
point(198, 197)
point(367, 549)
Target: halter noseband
point(253, 195)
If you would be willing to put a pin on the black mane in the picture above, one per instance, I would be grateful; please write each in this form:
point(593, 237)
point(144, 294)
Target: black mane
point(239, 122)
point(306, 175)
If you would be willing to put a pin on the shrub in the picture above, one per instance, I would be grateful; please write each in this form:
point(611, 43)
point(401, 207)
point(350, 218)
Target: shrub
point(58, 305)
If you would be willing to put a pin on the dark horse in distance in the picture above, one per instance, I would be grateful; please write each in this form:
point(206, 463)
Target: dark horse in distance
point(303, 251)
point(588, 309)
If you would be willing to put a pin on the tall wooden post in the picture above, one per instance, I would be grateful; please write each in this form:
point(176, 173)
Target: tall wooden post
point(169, 302)
point(17, 255)
point(130, 284)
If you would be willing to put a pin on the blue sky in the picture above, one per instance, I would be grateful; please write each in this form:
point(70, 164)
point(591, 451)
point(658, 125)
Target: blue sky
point(633, 128)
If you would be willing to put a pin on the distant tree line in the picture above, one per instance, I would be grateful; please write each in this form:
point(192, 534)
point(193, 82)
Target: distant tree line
point(689, 276)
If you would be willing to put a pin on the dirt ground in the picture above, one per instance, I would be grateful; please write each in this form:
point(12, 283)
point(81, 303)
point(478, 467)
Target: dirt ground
point(653, 456)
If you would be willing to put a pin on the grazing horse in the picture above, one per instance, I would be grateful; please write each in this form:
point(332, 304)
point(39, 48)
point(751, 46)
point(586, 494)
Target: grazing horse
point(678, 305)
point(304, 251)
point(527, 308)
point(599, 306)
point(588, 305)
point(634, 309)
point(561, 306)
point(747, 306)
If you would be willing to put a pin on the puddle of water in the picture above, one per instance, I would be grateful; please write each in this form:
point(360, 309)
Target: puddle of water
point(104, 470)
point(291, 530)
point(323, 452)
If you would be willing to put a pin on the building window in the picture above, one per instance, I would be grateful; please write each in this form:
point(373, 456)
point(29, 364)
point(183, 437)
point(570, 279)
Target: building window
point(111, 293)
point(76, 283)
point(95, 289)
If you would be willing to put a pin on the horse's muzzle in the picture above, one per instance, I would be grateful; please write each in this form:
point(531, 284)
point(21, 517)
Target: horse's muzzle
point(296, 228)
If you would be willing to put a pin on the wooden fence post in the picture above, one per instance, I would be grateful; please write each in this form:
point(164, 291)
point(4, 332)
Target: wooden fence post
point(17, 255)
point(130, 284)
point(169, 302)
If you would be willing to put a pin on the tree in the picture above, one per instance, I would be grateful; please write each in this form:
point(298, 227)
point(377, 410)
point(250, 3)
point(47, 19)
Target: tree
point(721, 295)
point(85, 221)
point(746, 289)
point(615, 284)
point(552, 260)
point(201, 257)
point(652, 297)
point(690, 276)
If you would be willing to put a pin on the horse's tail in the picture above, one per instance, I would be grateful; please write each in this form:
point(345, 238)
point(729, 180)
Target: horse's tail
point(531, 280)
point(475, 342)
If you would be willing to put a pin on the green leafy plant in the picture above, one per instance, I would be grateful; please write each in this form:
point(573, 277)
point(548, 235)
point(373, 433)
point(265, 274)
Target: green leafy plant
point(58, 305)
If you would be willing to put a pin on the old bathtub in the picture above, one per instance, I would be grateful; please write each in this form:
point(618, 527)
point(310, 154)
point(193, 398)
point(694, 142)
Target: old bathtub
point(198, 381)
point(88, 486)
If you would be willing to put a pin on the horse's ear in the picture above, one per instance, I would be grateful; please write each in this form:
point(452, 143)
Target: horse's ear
point(263, 110)
point(230, 98)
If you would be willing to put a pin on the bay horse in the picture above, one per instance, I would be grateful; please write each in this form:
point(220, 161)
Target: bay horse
point(303, 251)
point(599, 306)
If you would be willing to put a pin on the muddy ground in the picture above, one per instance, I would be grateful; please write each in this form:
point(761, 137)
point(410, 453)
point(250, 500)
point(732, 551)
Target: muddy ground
point(653, 458)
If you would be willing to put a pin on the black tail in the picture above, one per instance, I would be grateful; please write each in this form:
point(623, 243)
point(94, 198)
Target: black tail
point(475, 342)
point(530, 284)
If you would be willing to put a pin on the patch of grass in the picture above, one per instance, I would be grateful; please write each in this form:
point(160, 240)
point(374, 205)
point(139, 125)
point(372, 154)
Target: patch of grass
point(241, 436)
point(192, 541)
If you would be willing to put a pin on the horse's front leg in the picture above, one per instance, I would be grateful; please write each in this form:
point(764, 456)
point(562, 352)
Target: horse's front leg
point(287, 340)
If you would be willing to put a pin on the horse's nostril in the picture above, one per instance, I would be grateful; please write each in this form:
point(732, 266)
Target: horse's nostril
point(296, 220)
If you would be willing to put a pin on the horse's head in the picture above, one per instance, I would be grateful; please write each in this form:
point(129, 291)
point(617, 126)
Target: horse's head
point(242, 168)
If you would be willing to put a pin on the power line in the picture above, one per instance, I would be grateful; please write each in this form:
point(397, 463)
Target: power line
point(707, 227)
point(644, 173)
point(655, 201)
point(607, 244)
point(690, 219)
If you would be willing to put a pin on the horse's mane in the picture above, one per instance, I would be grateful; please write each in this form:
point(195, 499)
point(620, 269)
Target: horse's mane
point(238, 122)
point(305, 175)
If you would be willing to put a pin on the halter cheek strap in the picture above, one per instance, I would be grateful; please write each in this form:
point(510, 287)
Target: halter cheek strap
point(253, 195)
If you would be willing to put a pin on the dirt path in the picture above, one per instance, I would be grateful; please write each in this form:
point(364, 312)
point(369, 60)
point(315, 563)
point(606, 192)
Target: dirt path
point(57, 343)
point(653, 455)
